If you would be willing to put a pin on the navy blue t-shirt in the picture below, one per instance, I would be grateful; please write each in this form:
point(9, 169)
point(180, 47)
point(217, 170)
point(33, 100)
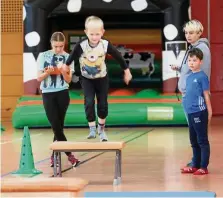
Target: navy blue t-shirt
point(196, 84)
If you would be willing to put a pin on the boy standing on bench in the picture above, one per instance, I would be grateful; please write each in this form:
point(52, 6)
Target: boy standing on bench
point(91, 53)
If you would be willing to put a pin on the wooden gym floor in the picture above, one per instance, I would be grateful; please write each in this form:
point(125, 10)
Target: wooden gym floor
point(151, 160)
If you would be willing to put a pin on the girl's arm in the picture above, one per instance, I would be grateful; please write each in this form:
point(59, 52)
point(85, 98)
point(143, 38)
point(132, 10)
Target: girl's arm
point(42, 75)
point(43, 72)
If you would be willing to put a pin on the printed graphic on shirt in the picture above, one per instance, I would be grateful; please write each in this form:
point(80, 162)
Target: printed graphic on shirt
point(92, 61)
point(55, 61)
point(53, 82)
point(58, 60)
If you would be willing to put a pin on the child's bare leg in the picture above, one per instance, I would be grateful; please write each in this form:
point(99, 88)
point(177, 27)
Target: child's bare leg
point(90, 124)
point(101, 121)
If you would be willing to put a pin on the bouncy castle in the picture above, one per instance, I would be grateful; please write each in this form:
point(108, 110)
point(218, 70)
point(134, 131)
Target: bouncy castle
point(148, 34)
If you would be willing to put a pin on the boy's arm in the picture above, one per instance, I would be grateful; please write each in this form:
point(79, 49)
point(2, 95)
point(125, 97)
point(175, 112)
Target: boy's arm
point(117, 56)
point(206, 91)
point(67, 75)
point(208, 103)
point(76, 52)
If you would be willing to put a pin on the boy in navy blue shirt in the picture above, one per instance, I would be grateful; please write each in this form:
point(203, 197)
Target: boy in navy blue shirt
point(198, 107)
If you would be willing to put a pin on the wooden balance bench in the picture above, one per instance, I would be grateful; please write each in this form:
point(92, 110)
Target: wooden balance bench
point(65, 146)
point(72, 185)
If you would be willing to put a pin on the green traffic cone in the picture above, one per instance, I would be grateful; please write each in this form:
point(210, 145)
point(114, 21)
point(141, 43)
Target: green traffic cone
point(26, 159)
point(2, 128)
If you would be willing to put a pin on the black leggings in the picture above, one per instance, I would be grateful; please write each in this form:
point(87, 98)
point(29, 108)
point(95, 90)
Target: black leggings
point(98, 87)
point(55, 105)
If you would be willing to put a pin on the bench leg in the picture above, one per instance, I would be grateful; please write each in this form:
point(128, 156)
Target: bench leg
point(115, 182)
point(119, 166)
point(55, 164)
point(60, 164)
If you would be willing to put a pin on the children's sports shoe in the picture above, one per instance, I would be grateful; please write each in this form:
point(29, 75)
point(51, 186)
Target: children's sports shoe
point(201, 171)
point(52, 162)
point(92, 133)
point(188, 165)
point(102, 135)
point(73, 160)
point(189, 170)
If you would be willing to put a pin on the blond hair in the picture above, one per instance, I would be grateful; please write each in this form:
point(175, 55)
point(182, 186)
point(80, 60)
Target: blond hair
point(94, 21)
point(194, 25)
point(58, 37)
